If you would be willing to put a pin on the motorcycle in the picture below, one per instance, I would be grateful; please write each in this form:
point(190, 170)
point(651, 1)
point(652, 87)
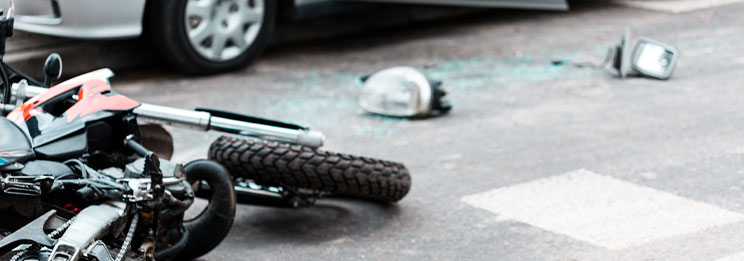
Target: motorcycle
point(85, 171)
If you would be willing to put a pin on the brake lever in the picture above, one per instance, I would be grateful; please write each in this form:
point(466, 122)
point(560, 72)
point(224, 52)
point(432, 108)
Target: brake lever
point(21, 186)
point(26, 186)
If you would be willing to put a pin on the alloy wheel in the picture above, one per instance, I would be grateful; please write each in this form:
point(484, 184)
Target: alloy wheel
point(221, 30)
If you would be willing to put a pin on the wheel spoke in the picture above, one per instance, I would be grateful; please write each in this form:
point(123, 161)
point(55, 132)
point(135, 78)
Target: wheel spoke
point(201, 9)
point(238, 37)
point(219, 41)
point(252, 15)
point(201, 33)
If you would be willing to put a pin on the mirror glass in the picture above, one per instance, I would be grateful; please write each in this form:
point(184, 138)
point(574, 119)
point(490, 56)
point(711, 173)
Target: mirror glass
point(653, 58)
point(53, 66)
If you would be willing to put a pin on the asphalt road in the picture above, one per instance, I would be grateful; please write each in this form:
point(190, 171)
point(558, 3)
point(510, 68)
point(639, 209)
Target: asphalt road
point(535, 162)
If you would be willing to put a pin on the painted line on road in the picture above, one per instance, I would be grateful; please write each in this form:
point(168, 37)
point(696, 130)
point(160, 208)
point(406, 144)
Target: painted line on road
point(601, 210)
point(677, 6)
point(734, 257)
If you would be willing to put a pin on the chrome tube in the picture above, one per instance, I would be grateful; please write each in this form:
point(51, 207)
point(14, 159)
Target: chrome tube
point(26, 92)
point(6, 107)
point(304, 137)
point(205, 121)
point(172, 116)
point(30, 91)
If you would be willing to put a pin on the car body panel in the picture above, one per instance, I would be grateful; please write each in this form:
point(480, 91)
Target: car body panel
point(526, 4)
point(107, 19)
point(88, 19)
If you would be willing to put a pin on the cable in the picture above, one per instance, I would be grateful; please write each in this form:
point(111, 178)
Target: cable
point(587, 64)
point(6, 83)
point(81, 165)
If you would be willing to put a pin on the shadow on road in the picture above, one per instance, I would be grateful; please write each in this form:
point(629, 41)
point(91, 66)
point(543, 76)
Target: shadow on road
point(447, 26)
point(329, 220)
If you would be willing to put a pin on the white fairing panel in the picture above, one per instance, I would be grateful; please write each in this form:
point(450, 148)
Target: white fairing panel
point(93, 19)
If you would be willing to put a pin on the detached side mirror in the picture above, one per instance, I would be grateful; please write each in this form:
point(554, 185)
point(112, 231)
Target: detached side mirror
point(52, 68)
point(648, 58)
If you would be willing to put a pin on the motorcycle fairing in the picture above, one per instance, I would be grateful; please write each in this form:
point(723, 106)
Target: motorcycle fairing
point(14, 144)
point(12, 138)
point(43, 120)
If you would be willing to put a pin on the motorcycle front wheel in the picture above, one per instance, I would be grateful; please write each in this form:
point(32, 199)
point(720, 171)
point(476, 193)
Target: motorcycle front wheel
point(296, 166)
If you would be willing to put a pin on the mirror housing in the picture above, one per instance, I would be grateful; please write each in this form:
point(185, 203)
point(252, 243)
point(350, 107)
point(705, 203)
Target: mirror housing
point(52, 68)
point(654, 59)
point(648, 58)
point(622, 55)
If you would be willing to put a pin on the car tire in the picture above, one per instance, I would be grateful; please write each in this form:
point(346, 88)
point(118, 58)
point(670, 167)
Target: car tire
point(209, 36)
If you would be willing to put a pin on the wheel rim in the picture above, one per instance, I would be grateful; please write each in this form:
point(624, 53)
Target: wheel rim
point(221, 30)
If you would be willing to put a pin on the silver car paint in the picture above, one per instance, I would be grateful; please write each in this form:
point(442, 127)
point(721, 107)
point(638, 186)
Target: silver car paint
point(103, 19)
point(94, 19)
point(529, 4)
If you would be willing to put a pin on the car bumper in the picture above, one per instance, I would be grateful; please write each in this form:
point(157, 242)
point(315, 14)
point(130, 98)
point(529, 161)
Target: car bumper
point(88, 19)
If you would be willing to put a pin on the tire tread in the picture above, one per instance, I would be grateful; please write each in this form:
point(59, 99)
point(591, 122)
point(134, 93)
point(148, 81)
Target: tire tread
point(275, 164)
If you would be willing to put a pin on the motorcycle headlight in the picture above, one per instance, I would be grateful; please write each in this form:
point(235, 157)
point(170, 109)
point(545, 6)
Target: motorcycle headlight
point(402, 92)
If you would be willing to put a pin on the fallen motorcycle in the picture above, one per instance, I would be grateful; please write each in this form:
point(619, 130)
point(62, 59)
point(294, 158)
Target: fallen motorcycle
point(86, 175)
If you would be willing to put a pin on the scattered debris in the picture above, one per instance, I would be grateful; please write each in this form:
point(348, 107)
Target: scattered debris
point(649, 58)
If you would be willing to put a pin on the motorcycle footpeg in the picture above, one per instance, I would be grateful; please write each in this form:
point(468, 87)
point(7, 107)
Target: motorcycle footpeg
point(30, 233)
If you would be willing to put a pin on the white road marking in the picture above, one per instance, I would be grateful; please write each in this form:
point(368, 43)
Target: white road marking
point(601, 210)
point(734, 257)
point(676, 6)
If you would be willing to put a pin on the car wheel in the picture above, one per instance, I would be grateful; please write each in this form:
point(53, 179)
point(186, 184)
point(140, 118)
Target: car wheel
point(209, 36)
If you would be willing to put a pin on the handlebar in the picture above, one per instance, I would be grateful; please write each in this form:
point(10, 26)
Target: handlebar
point(21, 91)
point(206, 121)
point(200, 120)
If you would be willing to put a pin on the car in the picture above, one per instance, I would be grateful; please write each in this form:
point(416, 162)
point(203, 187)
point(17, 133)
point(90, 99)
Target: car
point(195, 36)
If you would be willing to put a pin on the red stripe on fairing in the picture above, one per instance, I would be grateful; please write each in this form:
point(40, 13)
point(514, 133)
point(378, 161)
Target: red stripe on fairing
point(91, 99)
